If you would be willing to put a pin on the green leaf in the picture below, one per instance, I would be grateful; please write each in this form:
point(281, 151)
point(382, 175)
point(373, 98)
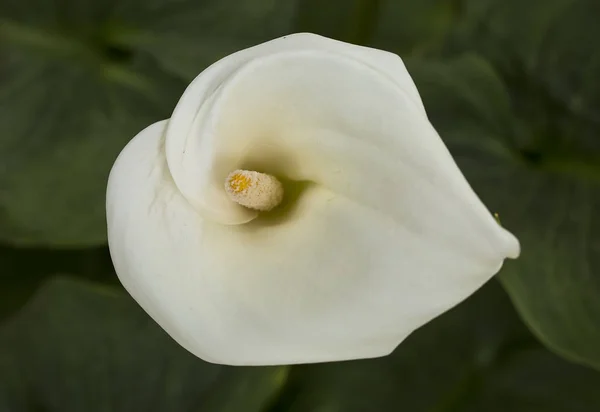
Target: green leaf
point(80, 347)
point(22, 271)
point(401, 26)
point(186, 36)
point(16, 289)
point(415, 27)
point(63, 124)
point(79, 79)
point(476, 357)
point(547, 196)
point(543, 52)
point(505, 30)
point(568, 65)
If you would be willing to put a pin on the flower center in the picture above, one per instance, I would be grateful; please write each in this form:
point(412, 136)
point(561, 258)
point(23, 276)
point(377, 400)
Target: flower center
point(254, 190)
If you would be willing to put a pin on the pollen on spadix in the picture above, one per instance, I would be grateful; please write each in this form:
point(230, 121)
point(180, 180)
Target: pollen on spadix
point(254, 190)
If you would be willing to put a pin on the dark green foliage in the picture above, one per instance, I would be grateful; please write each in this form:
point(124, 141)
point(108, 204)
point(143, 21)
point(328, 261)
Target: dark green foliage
point(511, 86)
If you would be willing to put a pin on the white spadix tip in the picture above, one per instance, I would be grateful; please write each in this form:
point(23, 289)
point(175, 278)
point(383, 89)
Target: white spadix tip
point(254, 190)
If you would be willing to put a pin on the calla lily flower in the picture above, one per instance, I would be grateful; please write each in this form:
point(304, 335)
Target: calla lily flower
point(298, 207)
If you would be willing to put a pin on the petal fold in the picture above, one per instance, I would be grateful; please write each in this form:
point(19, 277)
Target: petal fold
point(193, 161)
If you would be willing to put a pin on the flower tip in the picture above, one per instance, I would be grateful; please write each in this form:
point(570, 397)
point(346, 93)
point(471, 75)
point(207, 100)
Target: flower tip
point(512, 245)
point(254, 190)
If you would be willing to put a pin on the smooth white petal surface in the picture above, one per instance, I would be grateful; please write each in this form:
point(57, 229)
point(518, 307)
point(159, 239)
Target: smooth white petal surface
point(379, 234)
point(190, 133)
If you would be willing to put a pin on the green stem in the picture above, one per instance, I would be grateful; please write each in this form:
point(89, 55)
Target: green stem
point(363, 21)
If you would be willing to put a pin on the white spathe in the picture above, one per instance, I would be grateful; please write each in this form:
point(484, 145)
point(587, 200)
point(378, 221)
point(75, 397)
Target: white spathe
point(380, 233)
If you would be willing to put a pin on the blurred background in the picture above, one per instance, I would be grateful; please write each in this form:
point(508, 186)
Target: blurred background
point(511, 85)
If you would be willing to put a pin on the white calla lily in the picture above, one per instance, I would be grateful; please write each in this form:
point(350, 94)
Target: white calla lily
point(378, 232)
